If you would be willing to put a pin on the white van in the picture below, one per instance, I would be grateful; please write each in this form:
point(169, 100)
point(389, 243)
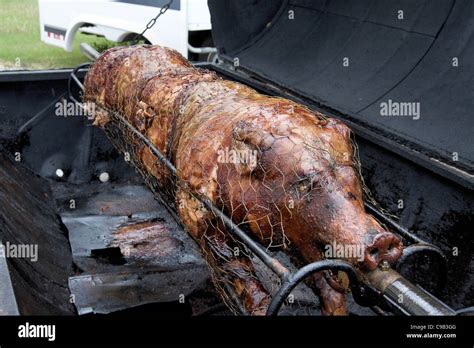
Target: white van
point(186, 26)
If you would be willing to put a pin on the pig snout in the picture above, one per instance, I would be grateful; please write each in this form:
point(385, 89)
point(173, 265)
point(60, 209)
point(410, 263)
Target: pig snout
point(384, 246)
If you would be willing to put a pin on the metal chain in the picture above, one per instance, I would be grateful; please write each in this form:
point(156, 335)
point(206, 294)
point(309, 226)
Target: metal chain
point(152, 22)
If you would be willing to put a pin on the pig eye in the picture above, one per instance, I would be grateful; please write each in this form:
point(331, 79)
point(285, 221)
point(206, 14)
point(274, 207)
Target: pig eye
point(304, 185)
point(303, 188)
point(313, 181)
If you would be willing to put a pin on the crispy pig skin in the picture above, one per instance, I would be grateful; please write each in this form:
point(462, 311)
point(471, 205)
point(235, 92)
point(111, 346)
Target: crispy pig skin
point(295, 186)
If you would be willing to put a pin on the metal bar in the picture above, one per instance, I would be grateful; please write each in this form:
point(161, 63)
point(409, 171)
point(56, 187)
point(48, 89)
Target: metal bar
point(295, 278)
point(379, 311)
point(415, 301)
point(39, 116)
point(153, 149)
point(73, 77)
point(400, 230)
point(465, 311)
point(89, 51)
point(77, 81)
point(416, 248)
point(36, 75)
point(201, 50)
point(419, 248)
point(268, 260)
point(404, 295)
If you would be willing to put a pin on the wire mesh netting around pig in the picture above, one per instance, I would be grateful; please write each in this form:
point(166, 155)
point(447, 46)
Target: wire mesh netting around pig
point(270, 165)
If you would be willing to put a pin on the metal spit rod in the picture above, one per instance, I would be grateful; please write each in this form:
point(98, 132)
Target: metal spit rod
point(89, 51)
point(408, 298)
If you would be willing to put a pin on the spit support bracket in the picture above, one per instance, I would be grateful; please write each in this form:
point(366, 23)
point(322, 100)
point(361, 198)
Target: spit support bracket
point(289, 280)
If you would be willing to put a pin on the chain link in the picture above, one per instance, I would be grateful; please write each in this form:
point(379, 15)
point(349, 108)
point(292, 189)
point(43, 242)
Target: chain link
point(152, 22)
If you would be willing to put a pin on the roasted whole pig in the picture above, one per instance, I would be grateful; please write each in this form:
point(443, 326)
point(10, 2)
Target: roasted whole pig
point(285, 173)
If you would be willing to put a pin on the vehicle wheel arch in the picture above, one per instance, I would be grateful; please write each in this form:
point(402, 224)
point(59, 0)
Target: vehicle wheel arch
point(128, 28)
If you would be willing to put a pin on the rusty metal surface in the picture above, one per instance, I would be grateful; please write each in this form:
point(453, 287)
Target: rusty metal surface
point(149, 242)
point(110, 292)
point(127, 247)
point(161, 243)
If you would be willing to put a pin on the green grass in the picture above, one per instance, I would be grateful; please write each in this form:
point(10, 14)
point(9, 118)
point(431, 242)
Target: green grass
point(20, 40)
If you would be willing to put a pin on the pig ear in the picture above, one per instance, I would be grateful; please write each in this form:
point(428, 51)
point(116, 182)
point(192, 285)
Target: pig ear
point(248, 142)
point(252, 135)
